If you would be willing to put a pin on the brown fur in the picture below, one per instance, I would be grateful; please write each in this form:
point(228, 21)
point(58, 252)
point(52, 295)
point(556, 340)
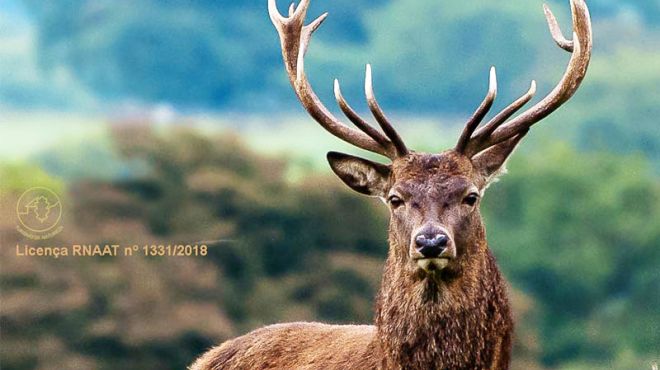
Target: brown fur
point(295, 346)
point(454, 318)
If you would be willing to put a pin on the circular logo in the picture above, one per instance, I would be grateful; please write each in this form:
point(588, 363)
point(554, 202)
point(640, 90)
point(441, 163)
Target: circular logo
point(39, 210)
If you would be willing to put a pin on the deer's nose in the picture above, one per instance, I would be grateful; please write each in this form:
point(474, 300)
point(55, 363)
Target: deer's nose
point(431, 245)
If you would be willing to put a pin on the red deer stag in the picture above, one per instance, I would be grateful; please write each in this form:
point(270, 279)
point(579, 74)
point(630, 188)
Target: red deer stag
point(442, 302)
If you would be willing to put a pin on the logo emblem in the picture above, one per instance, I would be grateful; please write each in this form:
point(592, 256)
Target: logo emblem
point(39, 212)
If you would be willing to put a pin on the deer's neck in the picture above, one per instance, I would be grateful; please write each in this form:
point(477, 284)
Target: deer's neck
point(457, 321)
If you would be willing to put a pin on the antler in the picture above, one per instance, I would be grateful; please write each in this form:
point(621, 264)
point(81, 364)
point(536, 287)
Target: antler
point(496, 130)
point(295, 37)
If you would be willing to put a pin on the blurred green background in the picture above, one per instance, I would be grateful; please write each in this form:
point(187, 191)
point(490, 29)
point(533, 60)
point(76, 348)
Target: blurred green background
point(173, 121)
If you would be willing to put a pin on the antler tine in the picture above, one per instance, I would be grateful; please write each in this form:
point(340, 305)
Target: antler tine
point(479, 114)
point(294, 39)
point(575, 72)
point(555, 31)
point(378, 113)
point(358, 121)
point(481, 135)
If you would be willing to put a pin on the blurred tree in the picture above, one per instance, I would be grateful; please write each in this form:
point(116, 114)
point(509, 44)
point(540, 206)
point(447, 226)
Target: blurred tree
point(430, 57)
point(647, 10)
point(617, 108)
point(181, 52)
point(435, 57)
point(216, 54)
point(582, 237)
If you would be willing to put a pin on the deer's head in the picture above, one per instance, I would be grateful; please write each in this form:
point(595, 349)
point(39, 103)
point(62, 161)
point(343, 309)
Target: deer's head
point(434, 199)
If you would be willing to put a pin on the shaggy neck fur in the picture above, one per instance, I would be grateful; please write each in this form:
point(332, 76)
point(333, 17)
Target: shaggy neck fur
point(457, 320)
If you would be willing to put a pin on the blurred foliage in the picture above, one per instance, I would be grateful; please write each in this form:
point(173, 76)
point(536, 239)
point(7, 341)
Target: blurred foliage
point(617, 110)
point(219, 54)
point(16, 177)
point(582, 238)
point(272, 244)
point(422, 68)
point(577, 240)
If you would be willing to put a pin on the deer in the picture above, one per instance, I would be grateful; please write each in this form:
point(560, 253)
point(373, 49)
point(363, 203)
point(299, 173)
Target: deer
point(442, 303)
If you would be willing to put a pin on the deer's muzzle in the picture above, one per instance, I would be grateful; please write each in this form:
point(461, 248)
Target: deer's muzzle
point(432, 248)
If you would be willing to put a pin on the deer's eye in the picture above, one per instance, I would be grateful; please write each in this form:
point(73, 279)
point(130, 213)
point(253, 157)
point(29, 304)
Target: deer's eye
point(471, 199)
point(395, 201)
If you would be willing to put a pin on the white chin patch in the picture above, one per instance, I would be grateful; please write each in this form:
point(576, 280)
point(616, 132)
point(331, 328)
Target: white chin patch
point(432, 264)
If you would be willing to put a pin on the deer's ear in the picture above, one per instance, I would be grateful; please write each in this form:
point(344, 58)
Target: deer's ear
point(491, 161)
point(361, 175)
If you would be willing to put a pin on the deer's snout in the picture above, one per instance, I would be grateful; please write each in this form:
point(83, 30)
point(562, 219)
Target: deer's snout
point(432, 248)
point(431, 245)
point(433, 242)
